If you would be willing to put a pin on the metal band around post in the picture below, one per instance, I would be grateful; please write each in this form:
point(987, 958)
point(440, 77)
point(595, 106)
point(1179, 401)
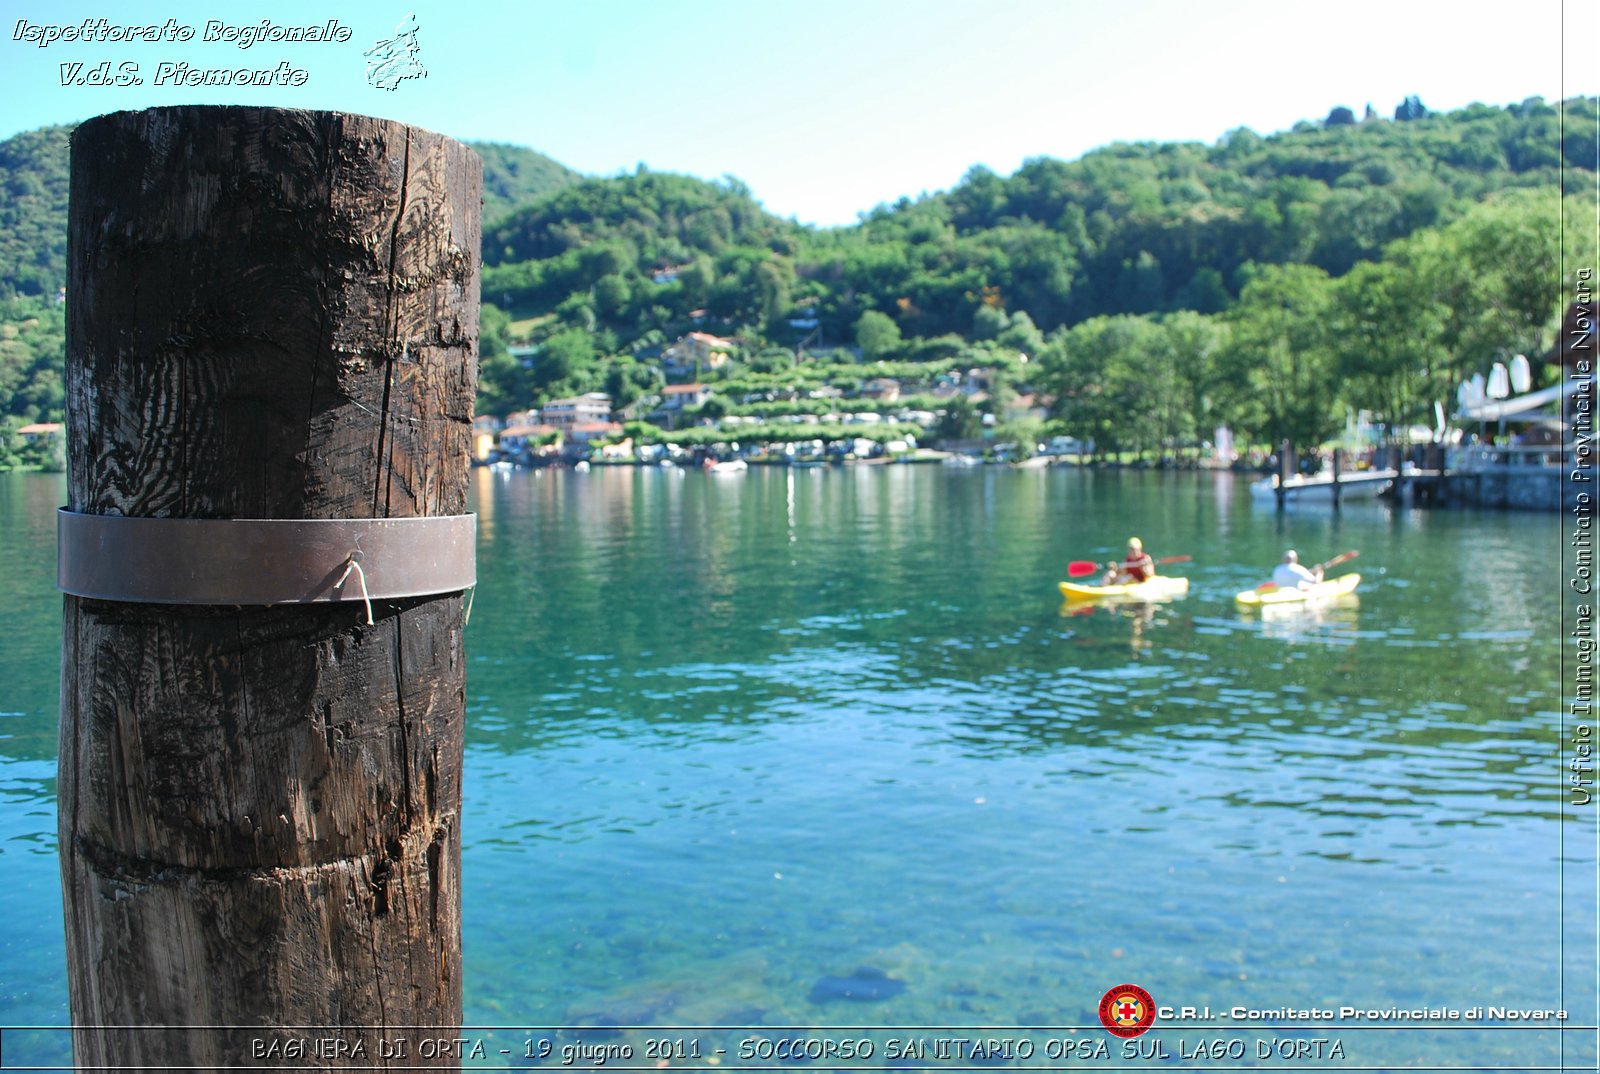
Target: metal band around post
point(262, 560)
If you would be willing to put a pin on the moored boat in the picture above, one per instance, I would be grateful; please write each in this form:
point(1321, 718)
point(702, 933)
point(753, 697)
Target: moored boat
point(1356, 485)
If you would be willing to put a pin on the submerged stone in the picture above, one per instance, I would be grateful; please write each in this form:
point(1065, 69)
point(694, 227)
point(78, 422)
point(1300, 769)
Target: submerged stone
point(865, 985)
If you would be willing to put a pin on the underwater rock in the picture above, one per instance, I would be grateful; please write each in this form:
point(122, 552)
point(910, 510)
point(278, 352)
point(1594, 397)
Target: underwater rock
point(867, 984)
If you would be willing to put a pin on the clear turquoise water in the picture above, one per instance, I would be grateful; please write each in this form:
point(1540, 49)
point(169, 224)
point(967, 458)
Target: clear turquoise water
point(733, 737)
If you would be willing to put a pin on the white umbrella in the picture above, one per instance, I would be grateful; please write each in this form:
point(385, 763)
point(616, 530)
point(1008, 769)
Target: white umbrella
point(1521, 375)
point(1499, 382)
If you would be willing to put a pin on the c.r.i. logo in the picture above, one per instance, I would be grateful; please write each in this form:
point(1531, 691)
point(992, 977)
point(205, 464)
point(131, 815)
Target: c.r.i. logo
point(1127, 1010)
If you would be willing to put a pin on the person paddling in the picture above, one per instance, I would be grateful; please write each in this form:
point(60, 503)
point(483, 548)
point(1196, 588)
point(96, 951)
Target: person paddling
point(1291, 575)
point(1136, 566)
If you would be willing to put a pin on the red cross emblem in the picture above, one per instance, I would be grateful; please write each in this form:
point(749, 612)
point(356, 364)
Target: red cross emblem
point(1127, 1010)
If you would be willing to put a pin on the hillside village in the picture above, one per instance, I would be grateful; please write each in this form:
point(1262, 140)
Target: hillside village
point(707, 407)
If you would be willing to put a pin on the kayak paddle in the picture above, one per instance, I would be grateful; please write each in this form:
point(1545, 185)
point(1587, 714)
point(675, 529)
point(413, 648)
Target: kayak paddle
point(1342, 557)
point(1080, 567)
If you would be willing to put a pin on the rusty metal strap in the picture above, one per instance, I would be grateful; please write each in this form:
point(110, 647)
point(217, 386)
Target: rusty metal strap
point(263, 560)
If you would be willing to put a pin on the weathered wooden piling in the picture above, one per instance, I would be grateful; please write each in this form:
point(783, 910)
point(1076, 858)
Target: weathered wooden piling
point(1286, 469)
point(273, 314)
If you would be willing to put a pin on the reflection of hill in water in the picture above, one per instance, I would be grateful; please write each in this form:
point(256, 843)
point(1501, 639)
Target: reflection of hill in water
point(30, 655)
point(904, 604)
point(649, 607)
point(730, 741)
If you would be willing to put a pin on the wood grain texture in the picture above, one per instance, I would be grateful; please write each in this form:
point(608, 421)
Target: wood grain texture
point(272, 314)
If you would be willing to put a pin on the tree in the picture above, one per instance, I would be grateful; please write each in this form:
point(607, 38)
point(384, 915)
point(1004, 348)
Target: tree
point(959, 420)
point(1386, 324)
point(562, 364)
point(1100, 372)
point(1409, 109)
point(877, 334)
point(988, 322)
point(1139, 228)
point(1022, 334)
point(697, 280)
point(1193, 345)
point(774, 278)
point(1279, 363)
point(611, 294)
point(1512, 249)
point(1142, 284)
point(1205, 293)
point(714, 409)
point(626, 379)
point(1353, 225)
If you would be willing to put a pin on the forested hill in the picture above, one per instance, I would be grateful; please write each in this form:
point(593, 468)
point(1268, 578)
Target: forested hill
point(1144, 293)
point(33, 260)
point(1376, 258)
point(33, 201)
point(513, 175)
point(33, 212)
point(1132, 228)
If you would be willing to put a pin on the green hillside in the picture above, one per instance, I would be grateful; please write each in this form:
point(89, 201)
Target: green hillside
point(33, 206)
point(1143, 292)
point(33, 212)
point(1148, 282)
point(1136, 228)
point(513, 175)
point(33, 260)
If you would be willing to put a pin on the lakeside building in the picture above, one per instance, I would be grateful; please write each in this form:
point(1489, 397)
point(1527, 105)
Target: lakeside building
point(1545, 465)
point(695, 352)
point(44, 430)
point(882, 389)
point(677, 398)
point(1549, 461)
point(566, 414)
point(588, 432)
point(519, 439)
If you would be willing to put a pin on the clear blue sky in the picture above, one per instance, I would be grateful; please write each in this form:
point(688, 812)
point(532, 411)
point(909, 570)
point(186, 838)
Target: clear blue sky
point(827, 108)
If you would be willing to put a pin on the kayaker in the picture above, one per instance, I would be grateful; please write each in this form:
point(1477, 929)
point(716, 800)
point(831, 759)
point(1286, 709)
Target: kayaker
point(1291, 575)
point(1136, 566)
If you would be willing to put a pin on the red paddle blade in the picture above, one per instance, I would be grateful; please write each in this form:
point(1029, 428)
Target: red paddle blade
point(1343, 557)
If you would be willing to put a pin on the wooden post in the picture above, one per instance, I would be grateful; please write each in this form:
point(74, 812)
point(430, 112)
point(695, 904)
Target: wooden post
point(272, 314)
point(1285, 469)
point(1338, 462)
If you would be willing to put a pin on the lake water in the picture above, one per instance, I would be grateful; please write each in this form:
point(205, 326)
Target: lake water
point(825, 748)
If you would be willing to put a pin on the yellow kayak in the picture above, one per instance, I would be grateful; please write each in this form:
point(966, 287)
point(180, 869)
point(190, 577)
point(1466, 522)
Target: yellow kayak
point(1327, 590)
point(1158, 588)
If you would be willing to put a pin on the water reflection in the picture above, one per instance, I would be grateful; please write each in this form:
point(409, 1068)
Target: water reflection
point(731, 739)
point(1332, 622)
point(1141, 616)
